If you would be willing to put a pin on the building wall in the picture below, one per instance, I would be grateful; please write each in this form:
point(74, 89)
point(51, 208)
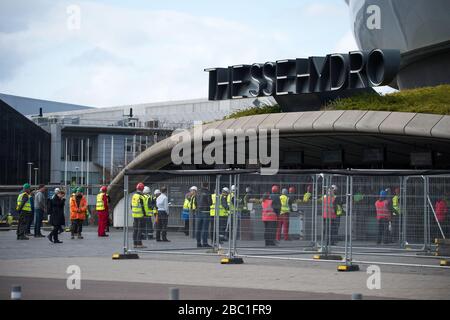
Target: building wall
point(21, 142)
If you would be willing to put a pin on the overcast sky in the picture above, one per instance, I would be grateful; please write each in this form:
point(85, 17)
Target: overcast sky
point(137, 51)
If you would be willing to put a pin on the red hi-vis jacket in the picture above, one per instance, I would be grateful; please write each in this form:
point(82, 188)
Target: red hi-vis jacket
point(383, 211)
point(441, 210)
point(328, 207)
point(267, 211)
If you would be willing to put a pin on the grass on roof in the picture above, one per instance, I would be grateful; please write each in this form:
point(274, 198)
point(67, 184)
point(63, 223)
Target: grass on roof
point(435, 100)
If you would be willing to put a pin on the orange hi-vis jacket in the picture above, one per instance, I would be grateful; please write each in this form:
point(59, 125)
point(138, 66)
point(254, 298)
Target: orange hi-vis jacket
point(383, 211)
point(267, 211)
point(328, 207)
point(78, 212)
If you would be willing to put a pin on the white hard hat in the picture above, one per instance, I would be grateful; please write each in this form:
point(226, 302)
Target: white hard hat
point(193, 188)
point(146, 190)
point(233, 188)
point(333, 187)
point(57, 190)
point(248, 189)
point(226, 189)
point(157, 191)
point(284, 191)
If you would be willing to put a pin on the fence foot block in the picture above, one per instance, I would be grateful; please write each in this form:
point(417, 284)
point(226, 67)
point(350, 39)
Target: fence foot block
point(231, 261)
point(444, 263)
point(347, 268)
point(327, 257)
point(127, 256)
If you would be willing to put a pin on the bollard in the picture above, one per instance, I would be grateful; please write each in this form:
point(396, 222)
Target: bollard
point(16, 293)
point(174, 294)
point(357, 296)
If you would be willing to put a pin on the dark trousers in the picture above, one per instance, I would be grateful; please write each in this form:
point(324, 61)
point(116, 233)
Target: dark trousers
point(29, 221)
point(54, 233)
point(202, 224)
point(77, 227)
point(330, 229)
point(186, 227)
point(148, 228)
point(23, 224)
point(270, 230)
point(161, 226)
point(222, 227)
point(138, 229)
point(39, 215)
point(383, 231)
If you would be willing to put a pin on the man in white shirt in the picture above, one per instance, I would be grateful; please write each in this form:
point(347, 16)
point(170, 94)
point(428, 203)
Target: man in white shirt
point(162, 203)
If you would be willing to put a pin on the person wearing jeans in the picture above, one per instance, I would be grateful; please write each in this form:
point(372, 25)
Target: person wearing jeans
point(40, 202)
point(202, 216)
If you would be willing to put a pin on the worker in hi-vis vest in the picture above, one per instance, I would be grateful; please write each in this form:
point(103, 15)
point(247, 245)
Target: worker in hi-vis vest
point(283, 219)
point(101, 207)
point(23, 207)
point(223, 212)
point(138, 213)
point(148, 223)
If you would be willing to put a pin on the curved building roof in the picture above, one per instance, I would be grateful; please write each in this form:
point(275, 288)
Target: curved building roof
point(314, 132)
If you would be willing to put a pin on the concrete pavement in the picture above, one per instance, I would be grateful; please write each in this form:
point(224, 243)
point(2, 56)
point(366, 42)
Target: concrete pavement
point(38, 261)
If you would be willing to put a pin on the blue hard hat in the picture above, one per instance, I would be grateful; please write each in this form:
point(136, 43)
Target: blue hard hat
point(383, 193)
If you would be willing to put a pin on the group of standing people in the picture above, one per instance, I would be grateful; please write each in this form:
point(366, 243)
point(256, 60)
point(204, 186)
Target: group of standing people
point(37, 204)
point(145, 208)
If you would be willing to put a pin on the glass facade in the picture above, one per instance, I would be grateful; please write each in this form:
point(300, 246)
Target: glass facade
point(22, 142)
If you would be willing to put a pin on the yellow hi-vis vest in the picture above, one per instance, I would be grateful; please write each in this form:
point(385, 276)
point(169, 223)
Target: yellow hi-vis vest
point(193, 203)
point(147, 208)
point(100, 206)
point(396, 205)
point(137, 211)
point(222, 211)
point(284, 204)
point(307, 196)
point(230, 202)
point(27, 205)
point(187, 203)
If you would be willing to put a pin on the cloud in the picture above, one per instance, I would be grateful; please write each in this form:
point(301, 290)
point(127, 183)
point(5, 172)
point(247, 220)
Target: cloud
point(316, 9)
point(346, 43)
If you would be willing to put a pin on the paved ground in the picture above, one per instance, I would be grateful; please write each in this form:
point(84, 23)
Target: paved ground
point(38, 264)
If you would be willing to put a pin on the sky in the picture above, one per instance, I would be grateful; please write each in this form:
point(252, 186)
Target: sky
point(141, 51)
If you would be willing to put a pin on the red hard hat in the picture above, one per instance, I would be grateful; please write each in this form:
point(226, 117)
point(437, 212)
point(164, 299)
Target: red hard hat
point(103, 189)
point(275, 189)
point(140, 186)
point(291, 189)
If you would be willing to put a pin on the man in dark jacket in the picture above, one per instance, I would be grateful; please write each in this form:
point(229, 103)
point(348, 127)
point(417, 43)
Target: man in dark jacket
point(56, 212)
point(202, 217)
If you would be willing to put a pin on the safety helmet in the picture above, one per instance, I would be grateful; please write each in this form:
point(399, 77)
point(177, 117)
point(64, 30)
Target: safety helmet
point(383, 193)
point(248, 189)
point(146, 190)
point(157, 191)
point(225, 189)
point(140, 186)
point(291, 189)
point(233, 188)
point(57, 190)
point(103, 189)
point(26, 186)
point(193, 188)
point(275, 189)
point(284, 191)
point(334, 187)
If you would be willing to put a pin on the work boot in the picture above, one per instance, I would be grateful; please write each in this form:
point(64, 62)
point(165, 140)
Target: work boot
point(80, 236)
point(39, 235)
point(57, 241)
point(23, 238)
point(199, 245)
point(206, 246)
point(50, 237)
point(166, 240)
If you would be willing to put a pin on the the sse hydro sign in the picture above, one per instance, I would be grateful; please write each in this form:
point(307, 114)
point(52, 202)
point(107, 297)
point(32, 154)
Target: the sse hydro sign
point(332, 73)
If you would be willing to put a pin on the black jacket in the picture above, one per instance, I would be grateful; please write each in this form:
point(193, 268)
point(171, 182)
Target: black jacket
point(203, 199)
point(57, 211)
point(276, 203)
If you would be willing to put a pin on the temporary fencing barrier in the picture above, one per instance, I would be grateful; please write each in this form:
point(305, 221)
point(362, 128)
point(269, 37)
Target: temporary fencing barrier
point(331, 215)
